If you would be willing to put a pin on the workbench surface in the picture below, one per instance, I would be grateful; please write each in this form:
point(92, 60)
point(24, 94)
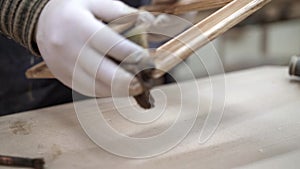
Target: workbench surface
point(260, 128)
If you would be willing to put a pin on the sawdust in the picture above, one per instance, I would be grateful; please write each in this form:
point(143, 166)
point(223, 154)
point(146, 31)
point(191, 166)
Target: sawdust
point(56, 151)
point(20, 127)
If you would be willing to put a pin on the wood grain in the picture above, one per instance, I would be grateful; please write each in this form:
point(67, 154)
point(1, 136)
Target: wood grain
point(260, 129)
point(39, 71)
point(184, 6)
point(178, 49)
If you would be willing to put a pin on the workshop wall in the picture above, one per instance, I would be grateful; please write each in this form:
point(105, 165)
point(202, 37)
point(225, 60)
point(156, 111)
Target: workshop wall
point(247, 46)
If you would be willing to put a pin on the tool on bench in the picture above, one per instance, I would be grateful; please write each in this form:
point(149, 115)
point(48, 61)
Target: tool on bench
point(21, 162)
point(294, 68)
point(181, 47)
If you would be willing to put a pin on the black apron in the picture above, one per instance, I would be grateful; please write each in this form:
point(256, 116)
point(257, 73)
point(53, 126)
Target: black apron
point(17, 93)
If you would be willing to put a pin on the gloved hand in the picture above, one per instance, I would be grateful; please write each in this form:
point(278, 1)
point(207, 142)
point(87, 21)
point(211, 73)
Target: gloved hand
point(167, 26)
point(68, 29)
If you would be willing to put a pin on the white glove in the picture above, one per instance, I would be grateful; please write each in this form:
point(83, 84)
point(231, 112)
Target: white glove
point(66, 26)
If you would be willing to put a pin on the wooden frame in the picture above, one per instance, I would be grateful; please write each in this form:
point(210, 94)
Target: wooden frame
point(176, 50)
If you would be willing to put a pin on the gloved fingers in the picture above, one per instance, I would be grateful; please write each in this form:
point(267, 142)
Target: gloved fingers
point(109, 10)
point(169, 20)
point(168, 26)
point(189, 16)
point(145, 18)
point(108, 42)
point(105, 71)
point(121, 82)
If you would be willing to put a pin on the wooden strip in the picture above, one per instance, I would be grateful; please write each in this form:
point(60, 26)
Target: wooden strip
point(184, 6)
point(179, 48)
point(39, 71)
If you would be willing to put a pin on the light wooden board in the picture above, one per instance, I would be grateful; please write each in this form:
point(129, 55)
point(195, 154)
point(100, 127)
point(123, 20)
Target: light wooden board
point(260, 129)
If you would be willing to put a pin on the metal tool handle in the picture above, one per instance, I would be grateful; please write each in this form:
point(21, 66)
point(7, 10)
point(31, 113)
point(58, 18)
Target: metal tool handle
point(294, 68)
point(21, 162)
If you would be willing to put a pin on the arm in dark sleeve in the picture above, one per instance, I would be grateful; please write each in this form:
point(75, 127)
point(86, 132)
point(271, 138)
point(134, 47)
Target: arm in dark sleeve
point(18, 20)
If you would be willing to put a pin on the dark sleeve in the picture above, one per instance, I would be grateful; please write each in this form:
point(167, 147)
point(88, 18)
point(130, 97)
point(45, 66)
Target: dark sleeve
point(18, 20)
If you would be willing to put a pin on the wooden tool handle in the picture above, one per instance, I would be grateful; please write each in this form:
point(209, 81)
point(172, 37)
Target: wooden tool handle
point(39, 71)
point(176, 50)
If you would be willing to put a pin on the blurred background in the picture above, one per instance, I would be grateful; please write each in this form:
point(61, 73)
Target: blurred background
point(269, 37)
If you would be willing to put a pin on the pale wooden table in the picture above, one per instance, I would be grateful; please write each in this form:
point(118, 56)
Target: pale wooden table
point(260, 129)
